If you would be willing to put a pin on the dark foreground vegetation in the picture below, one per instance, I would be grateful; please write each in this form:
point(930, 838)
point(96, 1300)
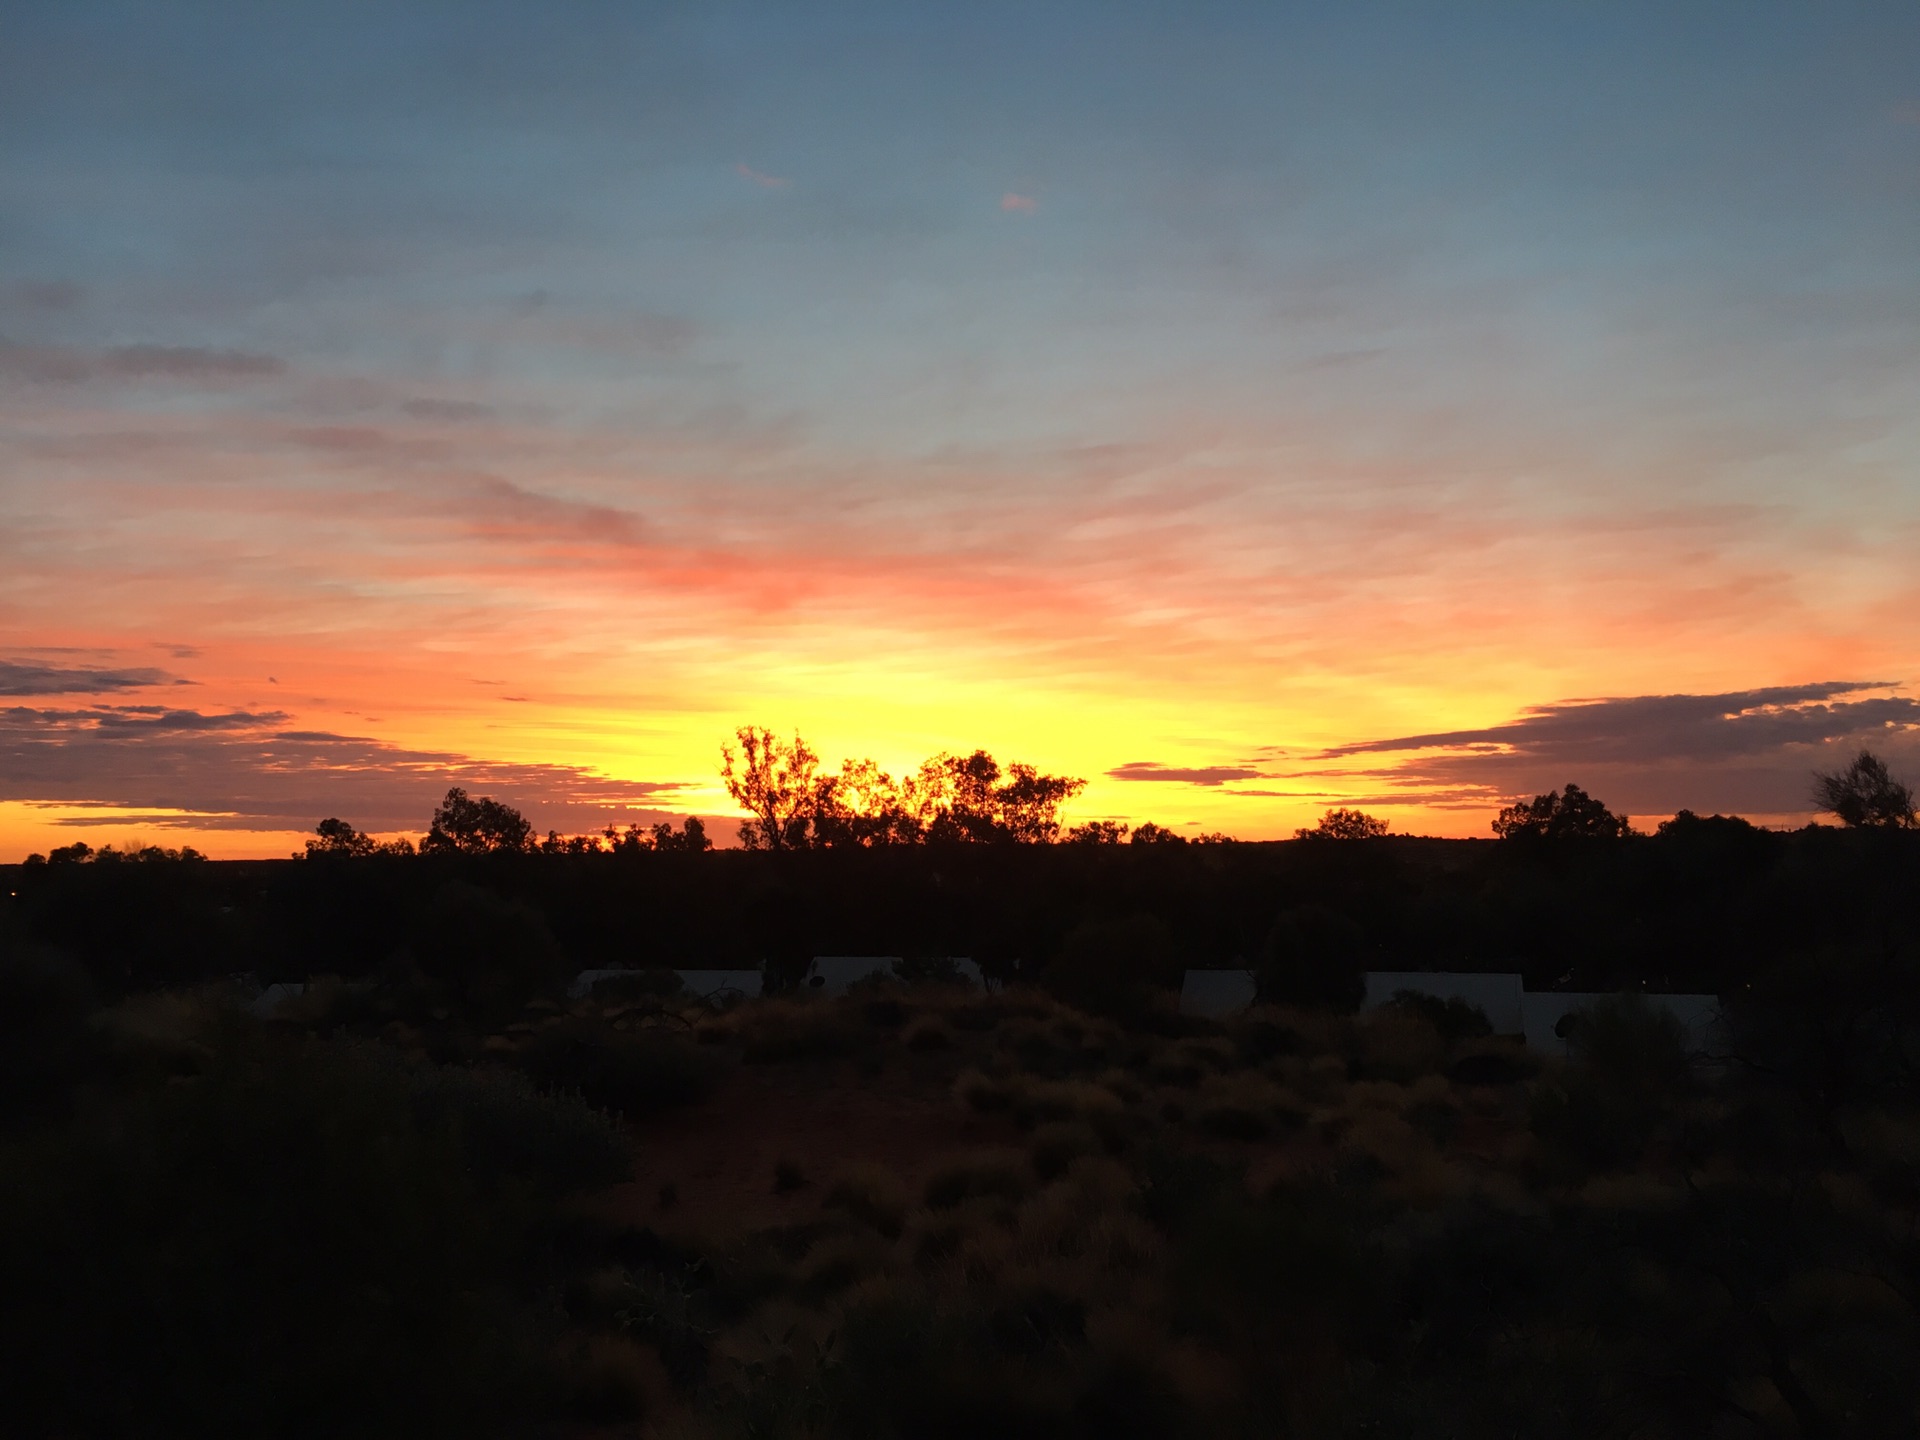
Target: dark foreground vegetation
point(436, 1195)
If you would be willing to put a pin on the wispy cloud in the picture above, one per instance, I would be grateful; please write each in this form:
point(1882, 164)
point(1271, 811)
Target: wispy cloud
point(1178, 775)
point(25, 678)
point(181, 364)
point(761, 177)
point(1016, 203)
point(249, 770)
point(42, 295)
point(1749, 751)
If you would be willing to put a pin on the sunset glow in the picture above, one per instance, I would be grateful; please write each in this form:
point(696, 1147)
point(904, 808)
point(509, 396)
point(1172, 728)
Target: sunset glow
point(1294, 410)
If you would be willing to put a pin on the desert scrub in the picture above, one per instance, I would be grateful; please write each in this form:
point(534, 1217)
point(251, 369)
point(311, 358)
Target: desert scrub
point(1494, 1062)
point(608, 1379)
point(982, 1093)
point(294, 1241)
point(1263, 1035)
point(1042, 1100)
point(1123, 1086)
point(838, 1263)
point(1057, 1145)
point(1245, 1107)
point(997, 1173)
point(802, 1030)
point(1399, 1044)
point(1036, 1047)
point(508, 1130)
point(788, 1176)
point(635, 1072)
point(928, 1032)
point(872, 1195)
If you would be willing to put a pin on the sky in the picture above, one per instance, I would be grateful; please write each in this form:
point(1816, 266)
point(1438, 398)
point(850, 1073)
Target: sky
point(1248, 408)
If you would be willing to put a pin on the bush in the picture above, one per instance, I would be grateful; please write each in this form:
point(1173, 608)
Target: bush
point(277, 1247)
point(496, 954)
point(1630, 1070)
point(634, 1072)
point(873, 1195)
point(988, 1173)
point(639, 985)
point(1314, 958)
point(1453, 1017)
point(45, 1045)
point(1113, 967)
point(927, 1033)
point(1055, 1147)
point(507, 1129)
point(801, 1030)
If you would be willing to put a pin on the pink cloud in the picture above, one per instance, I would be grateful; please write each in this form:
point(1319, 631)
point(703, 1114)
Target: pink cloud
point(1024, 204)
point(760, 177)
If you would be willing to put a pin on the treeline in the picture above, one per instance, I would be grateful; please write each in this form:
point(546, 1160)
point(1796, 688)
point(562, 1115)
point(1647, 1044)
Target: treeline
point(1701, 907)
point(794, 804)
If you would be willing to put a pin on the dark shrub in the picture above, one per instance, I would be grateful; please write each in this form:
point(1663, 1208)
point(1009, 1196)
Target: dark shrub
point(1630, 1070)
point(45, 1045)
point(507, 1129)
point(634, 1072)
point(1112, 967)
point(873, 1195)
point(277, 1247)
point(1453, 1017)
point(638, 985)
point(986, 1174)
point(803, 1030)
point(495, 954)
point(1057, 1146)
point(1231, 1121)
point(1492, 1067)
point(1314, 958)
point(788, 1177)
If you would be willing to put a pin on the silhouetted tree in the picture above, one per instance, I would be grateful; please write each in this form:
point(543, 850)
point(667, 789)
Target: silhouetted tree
point(1148, 833)
point(334, 836)
point(1030, 803)
point(862, 805)
point(959, 790)
point(1343, 824)
point(692, 835)
point(791, 803)
point(1572, 814)
point(1097, 832)
point(464, 825)
point(775, 783)
point(1865, 794)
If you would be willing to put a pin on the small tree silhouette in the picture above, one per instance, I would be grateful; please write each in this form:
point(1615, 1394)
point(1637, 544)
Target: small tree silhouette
point(1342, 824)
point(464, 825)
point(774, 782)
point(1148, 833)
point(1865, 794)
point(336, 837)
point(1571, 815)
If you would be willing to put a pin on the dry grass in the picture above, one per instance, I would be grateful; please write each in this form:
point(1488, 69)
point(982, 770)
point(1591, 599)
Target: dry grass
point(872, 1195)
